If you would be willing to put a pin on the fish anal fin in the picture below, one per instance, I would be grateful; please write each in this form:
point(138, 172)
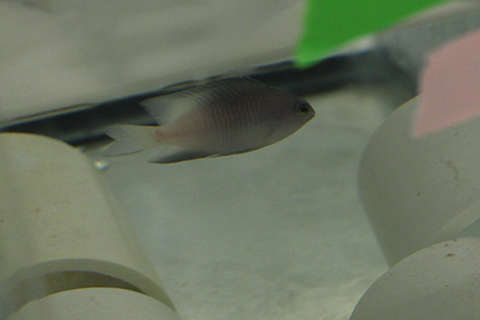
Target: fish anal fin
point(181, 156)
point(236, 152)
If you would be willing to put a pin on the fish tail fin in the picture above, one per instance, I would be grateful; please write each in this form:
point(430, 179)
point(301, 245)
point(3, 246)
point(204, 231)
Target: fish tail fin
point(129, 139)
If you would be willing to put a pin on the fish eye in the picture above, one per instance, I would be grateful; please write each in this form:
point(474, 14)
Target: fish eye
point(302, 109)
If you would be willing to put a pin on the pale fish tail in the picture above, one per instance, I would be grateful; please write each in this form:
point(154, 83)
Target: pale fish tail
point(130, 139)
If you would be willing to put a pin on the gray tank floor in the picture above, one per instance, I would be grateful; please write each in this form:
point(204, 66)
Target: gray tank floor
point(278, 233)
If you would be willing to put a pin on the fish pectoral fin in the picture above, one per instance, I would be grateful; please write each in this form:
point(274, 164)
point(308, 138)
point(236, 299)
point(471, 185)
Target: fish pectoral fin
point(181, 156)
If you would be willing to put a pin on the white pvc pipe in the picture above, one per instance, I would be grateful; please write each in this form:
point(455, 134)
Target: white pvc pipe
point(437, 283)
point(418, 192)
point(60, 228)
point(96, 303)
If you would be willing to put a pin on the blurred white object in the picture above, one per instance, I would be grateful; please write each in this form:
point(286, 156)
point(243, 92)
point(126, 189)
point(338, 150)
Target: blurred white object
point(57, 53)
point(418, 192)
point(436, 283)
point(96, 303)
point(60, 228)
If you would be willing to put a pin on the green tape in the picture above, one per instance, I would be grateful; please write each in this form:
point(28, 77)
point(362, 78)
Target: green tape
point(330, 23)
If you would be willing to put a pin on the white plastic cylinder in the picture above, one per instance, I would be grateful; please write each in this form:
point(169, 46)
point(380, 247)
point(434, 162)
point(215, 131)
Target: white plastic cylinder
point(95, 303)
point(60, 228)
point(418, 192)
point(440, 282)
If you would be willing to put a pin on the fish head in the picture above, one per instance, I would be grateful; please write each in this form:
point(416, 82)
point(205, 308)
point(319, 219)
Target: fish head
point(289, 115)
point(303, 111)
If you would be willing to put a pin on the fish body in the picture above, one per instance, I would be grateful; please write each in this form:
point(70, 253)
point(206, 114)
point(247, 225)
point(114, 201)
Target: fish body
point(221, 117)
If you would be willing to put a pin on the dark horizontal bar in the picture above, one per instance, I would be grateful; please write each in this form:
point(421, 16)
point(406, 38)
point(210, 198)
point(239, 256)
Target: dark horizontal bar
point(84, 124)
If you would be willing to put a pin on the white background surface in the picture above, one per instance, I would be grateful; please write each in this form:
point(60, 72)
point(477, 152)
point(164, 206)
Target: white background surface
point(58, 53)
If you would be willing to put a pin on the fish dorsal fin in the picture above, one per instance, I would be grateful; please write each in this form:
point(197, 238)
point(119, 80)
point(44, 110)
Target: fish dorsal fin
point(168, 108)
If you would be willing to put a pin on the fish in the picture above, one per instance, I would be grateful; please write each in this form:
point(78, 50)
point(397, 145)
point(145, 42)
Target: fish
point(218, 118)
